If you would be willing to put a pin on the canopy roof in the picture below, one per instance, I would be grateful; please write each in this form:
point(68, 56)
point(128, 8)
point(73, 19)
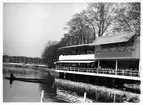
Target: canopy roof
point(117, 58)
point(75, 61)
point(120, 37)
point(74, 46)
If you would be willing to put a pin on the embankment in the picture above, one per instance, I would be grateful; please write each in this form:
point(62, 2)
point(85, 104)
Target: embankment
point(99, 93)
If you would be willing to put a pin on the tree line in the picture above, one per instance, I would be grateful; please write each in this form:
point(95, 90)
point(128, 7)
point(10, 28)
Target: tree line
point(22, 59)
point(99, 19)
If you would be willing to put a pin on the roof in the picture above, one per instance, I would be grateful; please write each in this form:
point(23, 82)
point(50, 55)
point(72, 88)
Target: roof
point(75, 61)
point(74, 46)
point(120, 37)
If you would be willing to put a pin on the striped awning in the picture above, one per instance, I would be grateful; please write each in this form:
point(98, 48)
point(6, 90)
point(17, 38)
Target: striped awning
point(73, 46)
point(75, 61)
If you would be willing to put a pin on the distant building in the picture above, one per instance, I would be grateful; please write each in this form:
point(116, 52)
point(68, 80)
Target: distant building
point(6, 59)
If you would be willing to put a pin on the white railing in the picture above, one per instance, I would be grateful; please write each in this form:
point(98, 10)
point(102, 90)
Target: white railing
point(122, 72)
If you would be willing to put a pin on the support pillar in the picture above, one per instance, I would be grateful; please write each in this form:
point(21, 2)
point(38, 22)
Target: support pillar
point(98, 66)
point(98, 63)
point(59, 75)
point(139, 73)
point(64, 75)
point(116, 67)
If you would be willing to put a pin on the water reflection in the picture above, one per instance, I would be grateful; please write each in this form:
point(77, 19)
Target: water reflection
point(18, 91)
point(15, 90)
point(10, 82)
point(50, 90)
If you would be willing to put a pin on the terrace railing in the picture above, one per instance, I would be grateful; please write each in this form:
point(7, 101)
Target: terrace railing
point(122, 72)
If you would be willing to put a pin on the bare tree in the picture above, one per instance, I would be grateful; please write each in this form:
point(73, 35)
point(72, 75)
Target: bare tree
point(128, 17)
point(50, 53)
point(101, 16)
point(78, 29)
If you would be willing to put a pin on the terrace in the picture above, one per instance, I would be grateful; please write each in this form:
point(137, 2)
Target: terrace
point(120, 72)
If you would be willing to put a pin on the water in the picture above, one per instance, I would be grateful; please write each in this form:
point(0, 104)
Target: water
point(19, 91)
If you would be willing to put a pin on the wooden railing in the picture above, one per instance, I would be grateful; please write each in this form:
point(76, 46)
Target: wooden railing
point(122, 72)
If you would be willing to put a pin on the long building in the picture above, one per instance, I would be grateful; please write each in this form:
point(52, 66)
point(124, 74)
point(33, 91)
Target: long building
point(112, 56)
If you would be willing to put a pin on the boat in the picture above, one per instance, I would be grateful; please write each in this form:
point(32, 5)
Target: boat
point(35, 80)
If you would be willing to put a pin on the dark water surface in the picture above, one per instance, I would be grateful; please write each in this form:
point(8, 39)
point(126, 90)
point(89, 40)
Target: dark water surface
point(19, 91)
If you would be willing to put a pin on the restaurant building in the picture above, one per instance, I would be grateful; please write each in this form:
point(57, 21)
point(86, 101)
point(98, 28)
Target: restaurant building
point(112, 56)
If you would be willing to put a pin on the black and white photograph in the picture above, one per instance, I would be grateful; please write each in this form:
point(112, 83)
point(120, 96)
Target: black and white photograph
point(71, 52)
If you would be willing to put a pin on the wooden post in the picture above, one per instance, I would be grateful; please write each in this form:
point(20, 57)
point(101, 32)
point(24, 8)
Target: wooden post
point(84, 99)
point(98, 63)
point(114, 98)
point(114, 95)
point(42, 95)
point(116, 67)
point(96, 95)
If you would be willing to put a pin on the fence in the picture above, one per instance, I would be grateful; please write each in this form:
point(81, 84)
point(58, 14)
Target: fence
point(122, 72)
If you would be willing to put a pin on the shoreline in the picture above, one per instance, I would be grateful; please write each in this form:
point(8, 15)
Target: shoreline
point(93, 90)
point(82, 87)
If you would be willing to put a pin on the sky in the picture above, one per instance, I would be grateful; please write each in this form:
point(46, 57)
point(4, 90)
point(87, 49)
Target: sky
point(27, 27)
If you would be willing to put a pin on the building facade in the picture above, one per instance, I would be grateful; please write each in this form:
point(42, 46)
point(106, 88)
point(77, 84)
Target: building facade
point(115, 56)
